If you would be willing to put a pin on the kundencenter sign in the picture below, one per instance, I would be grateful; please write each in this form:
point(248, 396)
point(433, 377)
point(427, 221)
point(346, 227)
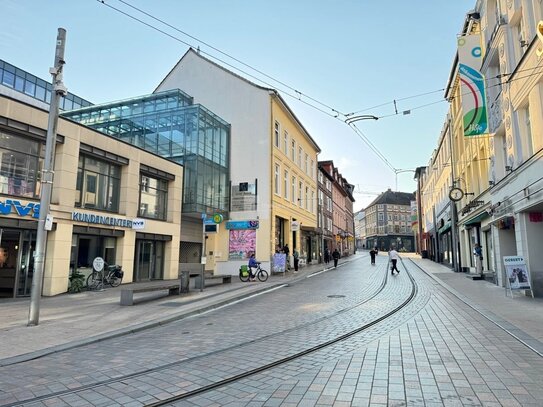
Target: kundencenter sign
point(108, 220)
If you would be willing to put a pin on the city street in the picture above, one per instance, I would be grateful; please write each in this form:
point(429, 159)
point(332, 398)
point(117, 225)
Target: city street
point(354, 335)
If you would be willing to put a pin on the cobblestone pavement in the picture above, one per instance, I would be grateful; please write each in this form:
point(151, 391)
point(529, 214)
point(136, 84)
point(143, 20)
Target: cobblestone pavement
point(435, 351)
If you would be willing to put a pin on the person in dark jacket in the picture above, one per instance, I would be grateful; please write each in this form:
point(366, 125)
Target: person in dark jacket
point(335, 256)
point(373, 253)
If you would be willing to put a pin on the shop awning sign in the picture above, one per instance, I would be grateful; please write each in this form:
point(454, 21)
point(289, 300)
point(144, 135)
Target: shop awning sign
point(22, 209)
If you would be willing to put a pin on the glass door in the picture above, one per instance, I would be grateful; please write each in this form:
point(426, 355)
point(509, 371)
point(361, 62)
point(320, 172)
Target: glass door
point(9, 254)
point(26, 263)
point(149, 260)
point(144, 260)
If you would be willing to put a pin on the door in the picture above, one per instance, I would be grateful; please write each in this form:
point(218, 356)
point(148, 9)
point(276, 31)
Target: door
point(16, 262)
point(9, 253)
point(144, 264)
point(149, 260)
point(26, 263)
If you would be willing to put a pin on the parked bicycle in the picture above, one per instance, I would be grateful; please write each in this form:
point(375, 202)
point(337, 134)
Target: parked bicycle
point(113, 276)
point(245, 275)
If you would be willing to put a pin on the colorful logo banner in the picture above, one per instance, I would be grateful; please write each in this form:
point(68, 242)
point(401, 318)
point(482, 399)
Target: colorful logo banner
point(472, 85)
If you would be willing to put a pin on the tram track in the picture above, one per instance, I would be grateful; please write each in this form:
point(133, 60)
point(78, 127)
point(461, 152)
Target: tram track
point(236, 377)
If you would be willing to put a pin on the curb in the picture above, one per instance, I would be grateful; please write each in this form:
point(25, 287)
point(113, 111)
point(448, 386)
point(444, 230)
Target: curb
point(25, 357)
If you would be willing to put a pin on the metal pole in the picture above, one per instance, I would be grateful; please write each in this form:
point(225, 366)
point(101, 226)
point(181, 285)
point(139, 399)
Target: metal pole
point(47, 178)
point(454, 231)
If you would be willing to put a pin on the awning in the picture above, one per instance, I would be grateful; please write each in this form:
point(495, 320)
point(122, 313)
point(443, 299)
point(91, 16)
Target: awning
point(477, 219)
point(445, 228)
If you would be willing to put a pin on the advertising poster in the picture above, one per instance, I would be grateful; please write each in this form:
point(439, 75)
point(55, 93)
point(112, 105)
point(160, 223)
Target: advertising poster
point(517, 273)
point(472, 85)
point(279, 262)
point(241, 243)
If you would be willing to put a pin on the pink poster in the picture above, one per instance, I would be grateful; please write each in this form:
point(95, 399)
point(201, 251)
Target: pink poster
point(241, 244)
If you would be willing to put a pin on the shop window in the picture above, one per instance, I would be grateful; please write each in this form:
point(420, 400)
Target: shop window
point(20, 161)
point(98, 184)
point(153, 197)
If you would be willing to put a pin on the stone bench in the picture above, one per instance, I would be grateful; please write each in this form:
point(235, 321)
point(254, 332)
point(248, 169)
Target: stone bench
point(127, 294)
point(226, 279)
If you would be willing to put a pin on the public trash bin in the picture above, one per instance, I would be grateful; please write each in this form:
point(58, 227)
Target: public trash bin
point(184, 283)
point(424, 254)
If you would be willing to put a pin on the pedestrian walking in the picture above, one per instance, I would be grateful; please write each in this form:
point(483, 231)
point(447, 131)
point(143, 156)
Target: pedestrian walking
point(335, 256)
point(326, 255)
point(478, 254)
point(296, 256)
point(373, 253)
point(394, 257)
point(286, 250)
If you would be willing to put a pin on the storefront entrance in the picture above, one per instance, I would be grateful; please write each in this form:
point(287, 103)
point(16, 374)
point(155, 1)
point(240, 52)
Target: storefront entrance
point(149, 260)
point(16, 262)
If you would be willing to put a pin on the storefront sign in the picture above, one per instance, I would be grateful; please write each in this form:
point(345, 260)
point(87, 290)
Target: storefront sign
point(242, 224)
point(295, 226)
point(22, 209)
point(101, 220)
point(517, 273)
point(138, 224)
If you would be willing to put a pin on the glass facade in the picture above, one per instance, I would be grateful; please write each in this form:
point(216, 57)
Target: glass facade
point(35, 87)
point(170, 125)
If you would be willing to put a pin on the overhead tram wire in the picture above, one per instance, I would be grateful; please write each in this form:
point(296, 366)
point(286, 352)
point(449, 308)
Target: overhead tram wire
point(335, 115)
point(227, 55)
point(335, 112)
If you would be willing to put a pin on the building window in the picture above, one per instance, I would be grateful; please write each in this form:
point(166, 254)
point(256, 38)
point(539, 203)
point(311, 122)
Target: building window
point(313, 175)
point(285, 184)
point(293, 189)
point(300, 193)
point(98, 184)
point(312, 201)
point(306, 198)
point(276, 183)
point(20, 161)
point(276, 134)
point(293, 150)
point(153, 197)
point(285, 142)
point(307, 164)
point(300, 151)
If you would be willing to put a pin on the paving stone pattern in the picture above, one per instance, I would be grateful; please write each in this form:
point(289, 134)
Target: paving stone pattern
point(436, 351)
point(446, 355)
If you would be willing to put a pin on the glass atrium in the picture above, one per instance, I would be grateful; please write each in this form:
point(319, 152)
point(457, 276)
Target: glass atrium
point(170, 125)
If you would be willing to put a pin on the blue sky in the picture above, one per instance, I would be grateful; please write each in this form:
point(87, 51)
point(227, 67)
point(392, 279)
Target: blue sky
point(347, 54)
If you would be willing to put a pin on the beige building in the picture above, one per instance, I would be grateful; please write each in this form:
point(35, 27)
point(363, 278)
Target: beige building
point(500, 202)
point(273, 163)
point(101, 186)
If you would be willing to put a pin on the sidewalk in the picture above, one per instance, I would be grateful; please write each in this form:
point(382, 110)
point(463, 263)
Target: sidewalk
point(522, 316)
point(69, 320)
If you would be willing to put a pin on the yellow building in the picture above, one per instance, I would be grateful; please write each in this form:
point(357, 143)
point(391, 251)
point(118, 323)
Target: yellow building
point(294, 186)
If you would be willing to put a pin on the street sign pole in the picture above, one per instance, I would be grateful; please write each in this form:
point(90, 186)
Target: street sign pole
point(46, 181)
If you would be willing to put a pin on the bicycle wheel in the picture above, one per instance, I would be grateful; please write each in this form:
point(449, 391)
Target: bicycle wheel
point(94, 281)
point(262, 275)
point(244, 276)
point(114, 281)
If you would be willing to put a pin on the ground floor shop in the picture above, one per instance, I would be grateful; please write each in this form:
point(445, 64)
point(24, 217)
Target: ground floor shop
point(143, 255)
